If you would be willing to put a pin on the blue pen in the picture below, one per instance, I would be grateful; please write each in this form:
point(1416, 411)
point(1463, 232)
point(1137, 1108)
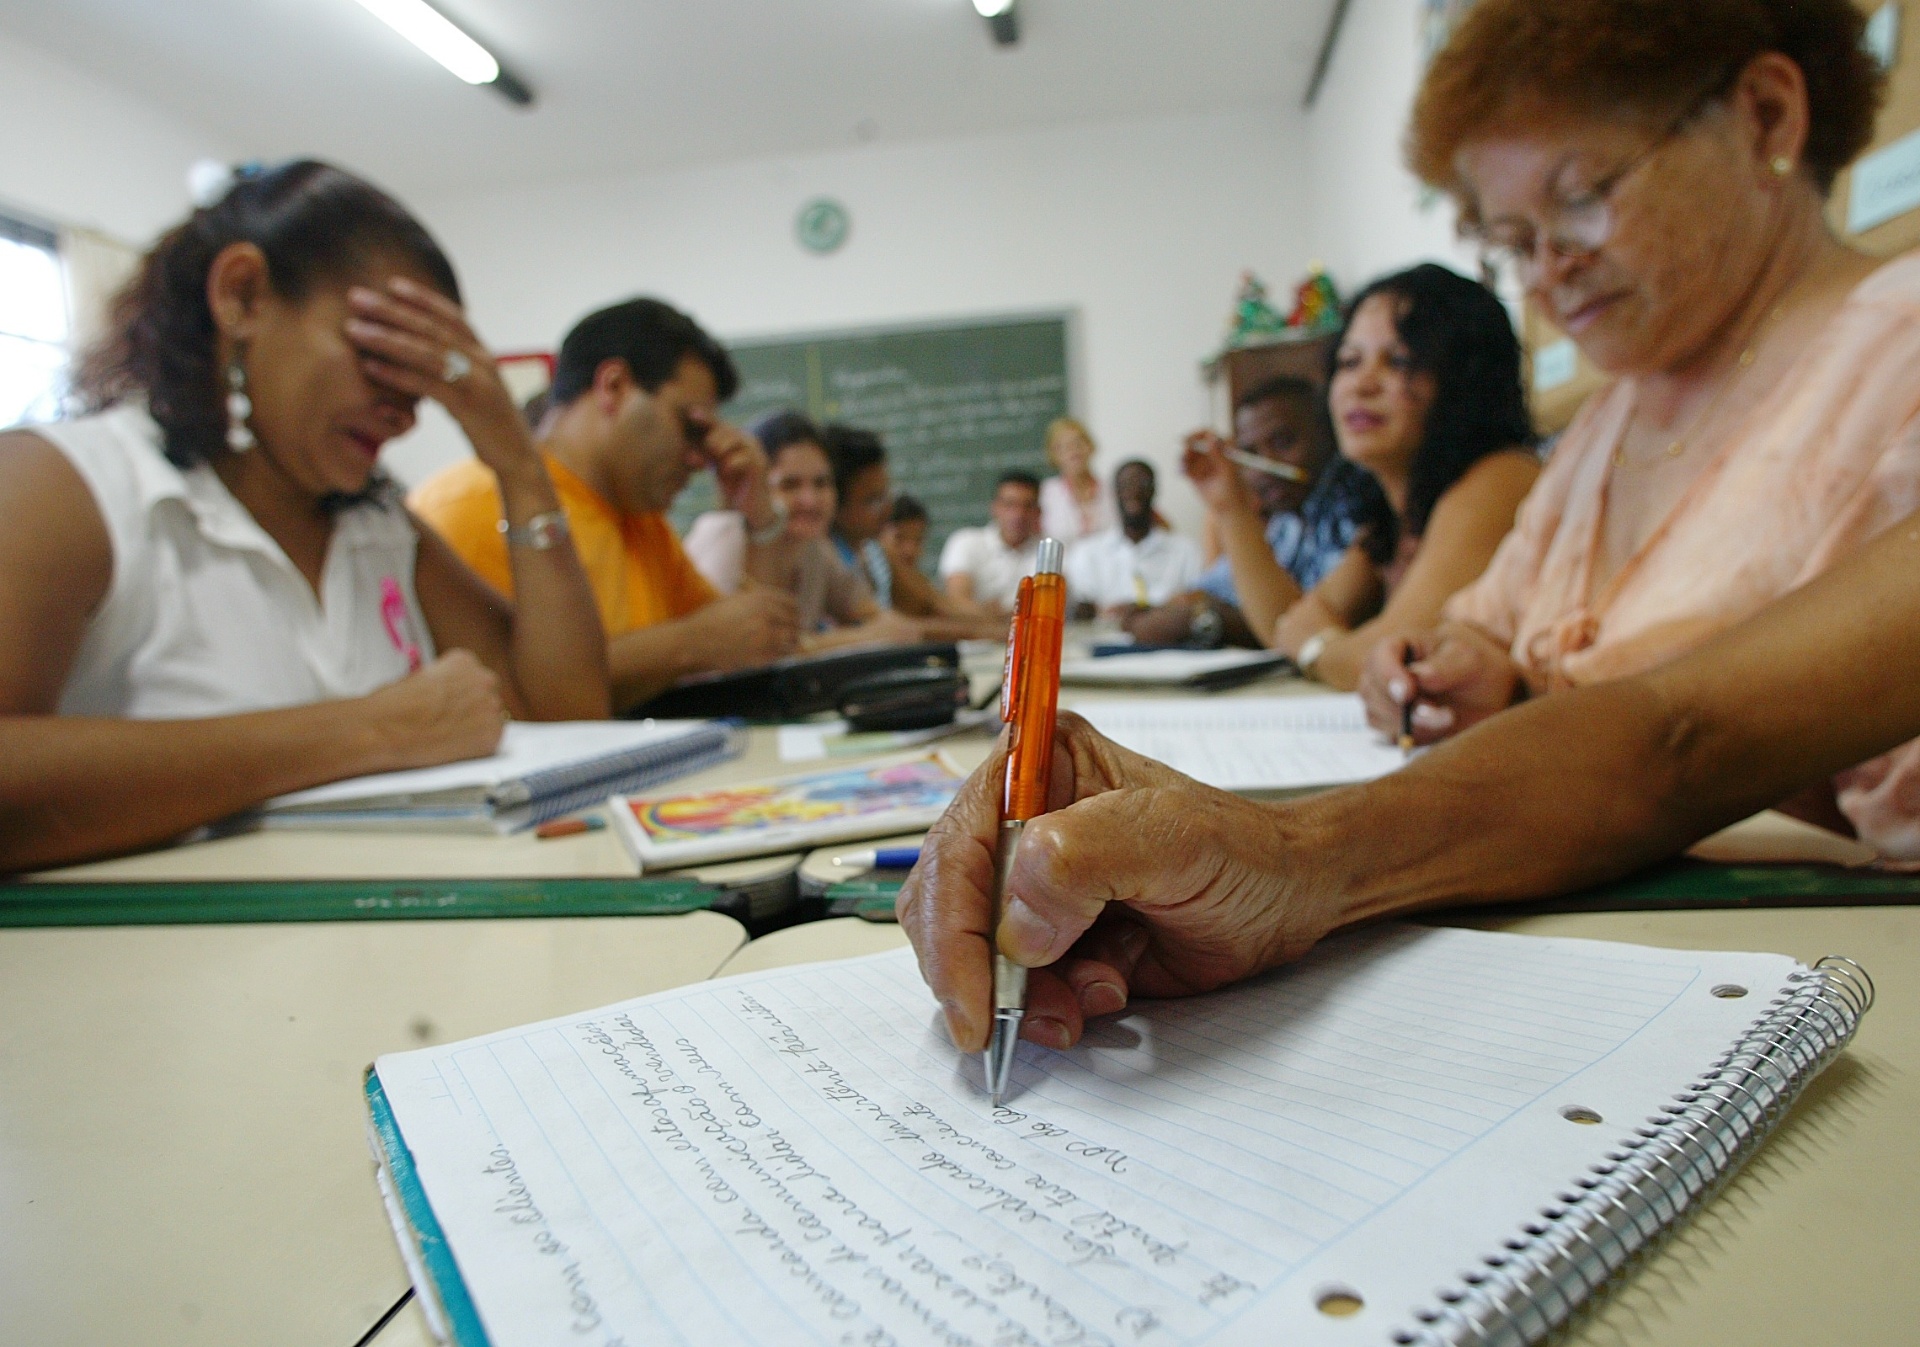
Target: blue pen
point(885, 858)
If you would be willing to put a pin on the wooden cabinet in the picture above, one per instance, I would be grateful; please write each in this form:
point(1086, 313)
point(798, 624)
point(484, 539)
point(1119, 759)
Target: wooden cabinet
point(1237, 371)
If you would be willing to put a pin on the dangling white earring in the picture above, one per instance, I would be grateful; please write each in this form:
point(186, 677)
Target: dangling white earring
point(239, 408)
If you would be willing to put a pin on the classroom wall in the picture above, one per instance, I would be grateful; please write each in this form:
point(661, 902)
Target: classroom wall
point(1368, 217)
point(76, 151)
point(1141, 226)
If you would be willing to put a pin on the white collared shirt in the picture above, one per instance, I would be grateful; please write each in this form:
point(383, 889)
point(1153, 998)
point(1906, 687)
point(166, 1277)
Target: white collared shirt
point(206, 615)
point(996, 568)
point(1110, 570)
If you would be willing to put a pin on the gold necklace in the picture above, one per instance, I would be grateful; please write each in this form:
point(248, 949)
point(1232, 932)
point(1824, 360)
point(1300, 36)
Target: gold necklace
point(1735, 376)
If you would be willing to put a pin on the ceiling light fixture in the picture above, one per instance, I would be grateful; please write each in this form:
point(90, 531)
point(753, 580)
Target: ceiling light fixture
point(437, 35)
point(1002, 16)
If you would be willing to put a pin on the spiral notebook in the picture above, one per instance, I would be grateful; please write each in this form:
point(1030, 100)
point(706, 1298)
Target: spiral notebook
point(1414, 1135)
point(541, 771)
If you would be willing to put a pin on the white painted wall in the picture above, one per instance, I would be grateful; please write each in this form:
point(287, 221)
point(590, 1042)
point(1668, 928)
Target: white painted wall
point(1368, 218)
point(75, 151)
point(1142, 227)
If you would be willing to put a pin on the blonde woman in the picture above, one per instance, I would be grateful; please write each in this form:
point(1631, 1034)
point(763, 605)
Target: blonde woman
point(1076, 504)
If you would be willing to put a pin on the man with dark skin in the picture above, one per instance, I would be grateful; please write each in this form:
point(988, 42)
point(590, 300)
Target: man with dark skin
point(1137, 563)
point(1280, 421)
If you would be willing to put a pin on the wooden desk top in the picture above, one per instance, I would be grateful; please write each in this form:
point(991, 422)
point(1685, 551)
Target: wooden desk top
point(183, 1153)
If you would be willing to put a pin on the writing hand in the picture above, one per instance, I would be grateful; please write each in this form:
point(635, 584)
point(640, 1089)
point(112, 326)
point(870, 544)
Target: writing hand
point(755, 626)
point(1457, 676)
point(447, 712)
point(1141, 882)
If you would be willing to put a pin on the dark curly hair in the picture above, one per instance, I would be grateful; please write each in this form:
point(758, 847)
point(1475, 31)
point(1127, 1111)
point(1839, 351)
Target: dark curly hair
point(1645, 59)
point(1459, 333)
point(313, 222)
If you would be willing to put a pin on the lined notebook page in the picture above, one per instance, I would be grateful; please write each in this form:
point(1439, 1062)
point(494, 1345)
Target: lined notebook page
point(1251, 743)
point(800, 1156)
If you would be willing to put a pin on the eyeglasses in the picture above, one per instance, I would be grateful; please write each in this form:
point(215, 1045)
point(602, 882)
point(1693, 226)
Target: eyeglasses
point(1578, 226)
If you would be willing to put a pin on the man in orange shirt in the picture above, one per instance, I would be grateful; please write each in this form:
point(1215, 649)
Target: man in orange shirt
point(634, 415)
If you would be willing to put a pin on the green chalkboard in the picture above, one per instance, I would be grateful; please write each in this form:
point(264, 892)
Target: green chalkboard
point(957, 403)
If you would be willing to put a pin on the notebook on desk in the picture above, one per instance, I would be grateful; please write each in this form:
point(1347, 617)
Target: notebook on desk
point(1197, 669)
point(541, 771)
point(1412, 1136)
point(1251, 743)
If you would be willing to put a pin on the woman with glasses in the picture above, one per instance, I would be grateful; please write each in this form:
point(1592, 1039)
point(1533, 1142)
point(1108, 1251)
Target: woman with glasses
point(1657, 176)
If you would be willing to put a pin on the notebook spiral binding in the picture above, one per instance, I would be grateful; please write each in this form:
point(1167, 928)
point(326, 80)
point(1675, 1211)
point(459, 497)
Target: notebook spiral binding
point(1629, 1204)
point(561, 790)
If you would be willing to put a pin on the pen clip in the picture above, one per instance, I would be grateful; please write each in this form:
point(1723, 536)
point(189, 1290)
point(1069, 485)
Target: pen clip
point(1016, 651)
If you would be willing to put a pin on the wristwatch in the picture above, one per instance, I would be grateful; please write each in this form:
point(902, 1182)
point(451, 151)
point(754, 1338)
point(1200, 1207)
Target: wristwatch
point(1206, 628)
point(1312, 648)
point(540, 533)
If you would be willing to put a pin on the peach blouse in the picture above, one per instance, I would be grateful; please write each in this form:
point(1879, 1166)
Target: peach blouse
point(1826, 460)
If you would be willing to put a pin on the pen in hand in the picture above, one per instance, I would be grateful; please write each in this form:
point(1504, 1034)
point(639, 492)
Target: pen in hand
point(1029, 704)
point(1407, 656)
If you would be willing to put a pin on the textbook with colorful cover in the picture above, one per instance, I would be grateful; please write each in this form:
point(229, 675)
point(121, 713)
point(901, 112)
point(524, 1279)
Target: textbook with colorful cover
point(1413, 1136)
point(789, 813)
point(540, 771)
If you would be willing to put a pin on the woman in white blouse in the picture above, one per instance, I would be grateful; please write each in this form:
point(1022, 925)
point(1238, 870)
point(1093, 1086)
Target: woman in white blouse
point(1076, 504)
point(209, 594)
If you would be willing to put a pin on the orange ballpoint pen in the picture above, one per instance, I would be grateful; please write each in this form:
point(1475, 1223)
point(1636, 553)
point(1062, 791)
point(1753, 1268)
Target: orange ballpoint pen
point(1029, 702)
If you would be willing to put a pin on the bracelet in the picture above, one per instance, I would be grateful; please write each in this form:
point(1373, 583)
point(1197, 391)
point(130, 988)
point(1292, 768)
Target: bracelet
point(541, 533)
point(760, 537)
point(1312, 648)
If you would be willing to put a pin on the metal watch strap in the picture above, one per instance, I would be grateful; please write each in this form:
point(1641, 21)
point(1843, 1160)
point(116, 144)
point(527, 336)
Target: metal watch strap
point(541, 532)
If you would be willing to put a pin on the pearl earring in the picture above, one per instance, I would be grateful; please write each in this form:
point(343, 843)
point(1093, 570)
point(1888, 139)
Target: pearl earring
point(1781, 165)
point(239, 408)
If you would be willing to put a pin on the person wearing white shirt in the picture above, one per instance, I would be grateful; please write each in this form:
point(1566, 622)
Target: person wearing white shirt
point(1137, 563)
point(985, 565)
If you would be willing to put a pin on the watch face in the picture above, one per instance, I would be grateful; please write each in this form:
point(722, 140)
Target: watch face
point(1206, 627)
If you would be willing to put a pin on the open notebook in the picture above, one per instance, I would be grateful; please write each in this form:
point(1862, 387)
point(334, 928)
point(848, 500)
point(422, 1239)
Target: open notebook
point(1409, 1134)
point(1251, 743)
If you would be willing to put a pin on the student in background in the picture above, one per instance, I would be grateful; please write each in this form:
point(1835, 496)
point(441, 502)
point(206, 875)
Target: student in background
point(1135, 565)
point(209, 593)
point(863, 493)
point(1764, 421)
point(864, 511)
point(634, 415)
point(1424, 389)
point(904, 536)
point(1075, 504)
point(835, 604)
point(985, 565)
point(1308, 526)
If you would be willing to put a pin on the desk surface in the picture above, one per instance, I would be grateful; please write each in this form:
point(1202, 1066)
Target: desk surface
point(182, 1138)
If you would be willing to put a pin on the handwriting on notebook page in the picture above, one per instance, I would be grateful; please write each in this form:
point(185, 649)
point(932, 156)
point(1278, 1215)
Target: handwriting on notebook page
point(803, 1158)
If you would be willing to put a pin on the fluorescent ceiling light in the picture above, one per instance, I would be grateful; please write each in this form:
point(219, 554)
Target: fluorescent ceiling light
point(431, 31)
point(987, 8)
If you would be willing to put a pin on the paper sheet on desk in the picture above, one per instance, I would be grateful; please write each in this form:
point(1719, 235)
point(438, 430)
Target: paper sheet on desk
point(1251, 743)
point(800, 1156)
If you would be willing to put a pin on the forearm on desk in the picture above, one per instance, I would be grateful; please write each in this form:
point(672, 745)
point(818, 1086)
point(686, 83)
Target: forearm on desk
point(73, 787)
point(1575, 788)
